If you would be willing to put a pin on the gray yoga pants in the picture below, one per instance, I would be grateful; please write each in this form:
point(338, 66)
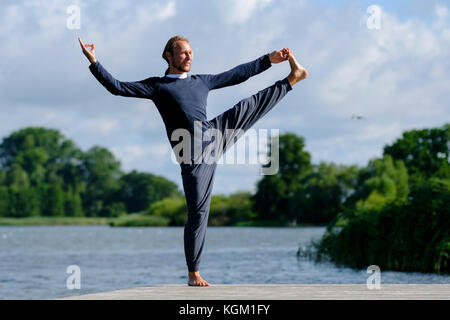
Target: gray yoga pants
point(198, 178)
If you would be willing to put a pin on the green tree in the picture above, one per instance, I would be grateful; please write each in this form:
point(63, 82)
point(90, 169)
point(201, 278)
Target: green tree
point(113, 209)
point(3, 177)
point(24, 202)
point(4, 201)
point(294, 161)
point(241, 207)
point(424, 152)
point(229, 210)
point(73, 206)
point(101, 171)
point(46, 157)
point(139, 190)
point(173, 208)
point(33, 161)
point(271, 200)
point(404, 236)
point(17, 177)
point(40, 162)
point(50, 141)
point(53, 200)
point(387, 181)
point(322, 193)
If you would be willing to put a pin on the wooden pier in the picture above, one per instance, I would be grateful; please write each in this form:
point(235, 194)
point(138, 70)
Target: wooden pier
point(276, 292)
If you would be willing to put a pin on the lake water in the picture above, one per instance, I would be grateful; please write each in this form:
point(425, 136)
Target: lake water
point(34, 260)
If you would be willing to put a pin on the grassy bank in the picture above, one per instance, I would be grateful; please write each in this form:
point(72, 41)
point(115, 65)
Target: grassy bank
point(53, 221)
point(410, 236)
point(140, 220)
point(130, 220)
point(273, 223)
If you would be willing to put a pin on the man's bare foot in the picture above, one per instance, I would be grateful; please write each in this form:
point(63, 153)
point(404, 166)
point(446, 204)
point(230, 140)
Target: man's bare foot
point(196, 280)
point(298, 72)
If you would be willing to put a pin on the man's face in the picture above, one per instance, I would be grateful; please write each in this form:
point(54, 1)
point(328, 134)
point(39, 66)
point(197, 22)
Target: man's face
point(182, 56)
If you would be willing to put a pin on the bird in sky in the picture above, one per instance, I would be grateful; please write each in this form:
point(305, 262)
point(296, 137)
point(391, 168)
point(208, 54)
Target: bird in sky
point(357, 117)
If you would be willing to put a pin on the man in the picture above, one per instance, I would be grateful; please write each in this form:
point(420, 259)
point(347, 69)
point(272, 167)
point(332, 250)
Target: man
point(181, 101)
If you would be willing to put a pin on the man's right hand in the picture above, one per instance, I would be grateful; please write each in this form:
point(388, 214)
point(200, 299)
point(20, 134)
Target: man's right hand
point(278, 56)
point(90, 54)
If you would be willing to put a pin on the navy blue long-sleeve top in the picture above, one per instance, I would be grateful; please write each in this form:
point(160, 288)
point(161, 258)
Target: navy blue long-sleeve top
point(180, 101)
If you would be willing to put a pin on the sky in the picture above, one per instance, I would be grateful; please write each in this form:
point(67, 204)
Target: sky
point(392, 69)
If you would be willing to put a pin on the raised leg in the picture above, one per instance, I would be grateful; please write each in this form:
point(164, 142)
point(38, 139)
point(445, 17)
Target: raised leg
point(248, 111)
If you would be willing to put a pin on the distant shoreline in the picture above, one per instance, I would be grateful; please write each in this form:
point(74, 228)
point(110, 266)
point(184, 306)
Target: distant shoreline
point(131, 220)
point(49, 221)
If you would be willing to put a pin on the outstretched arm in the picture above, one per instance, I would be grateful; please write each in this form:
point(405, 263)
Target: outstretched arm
point(244, 71)
point(138, 89)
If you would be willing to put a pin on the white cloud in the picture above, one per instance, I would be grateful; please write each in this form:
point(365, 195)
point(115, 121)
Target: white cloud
point(441, 22)
point(441, 11)
point(388, 72)
point(166, 11)
point(158, 12)
point(240, 11)
point(139, 156)
point(99, 126)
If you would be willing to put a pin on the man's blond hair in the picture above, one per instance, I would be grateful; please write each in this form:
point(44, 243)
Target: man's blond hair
point(169, 48)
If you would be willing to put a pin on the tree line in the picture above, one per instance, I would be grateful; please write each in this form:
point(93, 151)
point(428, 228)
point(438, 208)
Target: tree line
point(42, 173)
point(398, 215)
